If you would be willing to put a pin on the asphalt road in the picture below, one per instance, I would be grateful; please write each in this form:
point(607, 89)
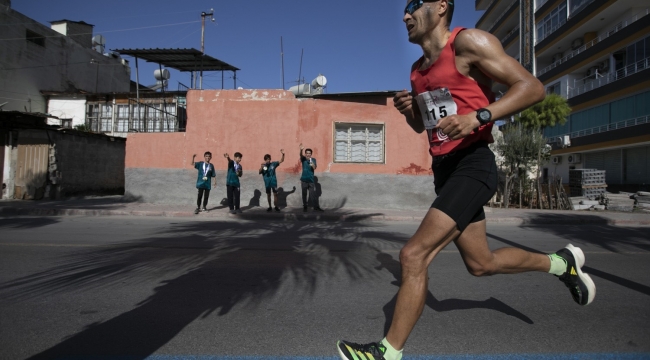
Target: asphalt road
point(168, 288)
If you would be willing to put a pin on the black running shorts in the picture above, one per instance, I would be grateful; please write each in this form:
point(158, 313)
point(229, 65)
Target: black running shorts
point(465, 181)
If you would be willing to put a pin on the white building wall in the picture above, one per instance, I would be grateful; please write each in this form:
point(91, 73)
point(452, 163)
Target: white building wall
point(68, 108)
point(62, 64)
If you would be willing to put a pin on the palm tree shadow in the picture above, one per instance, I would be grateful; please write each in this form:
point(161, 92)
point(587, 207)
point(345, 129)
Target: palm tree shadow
point(387, 262)
point(221, 265)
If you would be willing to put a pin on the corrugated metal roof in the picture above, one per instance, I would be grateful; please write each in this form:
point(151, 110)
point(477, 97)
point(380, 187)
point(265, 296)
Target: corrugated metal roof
point(179, 59)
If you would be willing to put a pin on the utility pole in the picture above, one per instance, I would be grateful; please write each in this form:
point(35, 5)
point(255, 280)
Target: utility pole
point(203, 15)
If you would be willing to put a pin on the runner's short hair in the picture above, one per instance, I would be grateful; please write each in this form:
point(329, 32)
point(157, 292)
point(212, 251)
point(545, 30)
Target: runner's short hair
point(309, 150)
point(207, 153)
point(238, 154)
point(267, 157)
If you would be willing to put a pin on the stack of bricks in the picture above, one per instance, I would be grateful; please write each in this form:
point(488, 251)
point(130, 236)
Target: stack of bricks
point(589, 183)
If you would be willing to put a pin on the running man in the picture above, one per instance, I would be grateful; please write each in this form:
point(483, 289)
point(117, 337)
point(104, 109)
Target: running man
point(451, 100)
point(267, 170)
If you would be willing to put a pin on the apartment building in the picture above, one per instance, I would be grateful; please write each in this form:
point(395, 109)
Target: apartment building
point(596, 54)
point(62, 58)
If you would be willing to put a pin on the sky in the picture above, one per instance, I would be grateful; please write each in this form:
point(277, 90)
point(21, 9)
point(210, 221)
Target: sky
point(358, 45)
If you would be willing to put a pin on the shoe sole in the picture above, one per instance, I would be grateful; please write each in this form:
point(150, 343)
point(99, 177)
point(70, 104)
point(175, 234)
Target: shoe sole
point(585, 278)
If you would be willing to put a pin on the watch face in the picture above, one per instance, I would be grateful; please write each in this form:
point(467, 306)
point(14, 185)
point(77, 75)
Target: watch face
point(484, 115)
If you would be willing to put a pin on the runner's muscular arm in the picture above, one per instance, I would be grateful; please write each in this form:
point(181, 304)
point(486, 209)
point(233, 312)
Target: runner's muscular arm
point(484, 51)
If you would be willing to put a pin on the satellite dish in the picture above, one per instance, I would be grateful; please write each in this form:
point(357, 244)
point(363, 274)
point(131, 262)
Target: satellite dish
point(98, 43)
point(99, 40)
point(319, 82)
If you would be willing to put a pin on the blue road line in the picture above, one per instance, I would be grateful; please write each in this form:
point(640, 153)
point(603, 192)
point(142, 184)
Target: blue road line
point(581, 356)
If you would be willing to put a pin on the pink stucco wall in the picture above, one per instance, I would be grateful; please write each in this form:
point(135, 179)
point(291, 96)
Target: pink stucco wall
point(256, 122)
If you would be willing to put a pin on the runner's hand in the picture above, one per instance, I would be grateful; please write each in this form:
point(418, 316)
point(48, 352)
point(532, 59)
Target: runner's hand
point(403, 102)
point(458, 126)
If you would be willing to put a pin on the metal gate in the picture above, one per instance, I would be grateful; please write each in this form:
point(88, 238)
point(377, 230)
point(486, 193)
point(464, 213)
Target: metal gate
point(31, 171)
point(610, 161)
point(3, 143)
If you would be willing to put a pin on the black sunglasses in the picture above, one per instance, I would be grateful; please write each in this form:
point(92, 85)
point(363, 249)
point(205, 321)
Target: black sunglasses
point(413, 5)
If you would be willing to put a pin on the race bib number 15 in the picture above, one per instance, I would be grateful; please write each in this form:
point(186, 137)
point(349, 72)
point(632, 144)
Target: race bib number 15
point(434, 105)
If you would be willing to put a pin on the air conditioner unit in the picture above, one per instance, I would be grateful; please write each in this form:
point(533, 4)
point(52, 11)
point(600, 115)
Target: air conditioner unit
point(556, 159)
point(557, 57)
point(603, 66)
point(574, 158)
point(564, 141)
point(592, 71)
point(577, 43)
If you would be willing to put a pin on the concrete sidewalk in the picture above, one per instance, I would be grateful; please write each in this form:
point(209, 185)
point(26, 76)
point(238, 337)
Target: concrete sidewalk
point(117, 205)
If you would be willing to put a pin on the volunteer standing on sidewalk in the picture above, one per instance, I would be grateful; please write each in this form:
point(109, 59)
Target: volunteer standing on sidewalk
point(203, 181)
point(451, 99)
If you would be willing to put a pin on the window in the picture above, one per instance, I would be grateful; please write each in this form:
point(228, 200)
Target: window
point(100, 117)
point(637, 52)
point(122, 118)
point(554, 89)
point(361, 143)
point(35, 38)
point(551, 22)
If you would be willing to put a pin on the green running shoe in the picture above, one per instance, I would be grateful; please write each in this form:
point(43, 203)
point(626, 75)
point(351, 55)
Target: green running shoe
point(580, 285)
point(353, 351)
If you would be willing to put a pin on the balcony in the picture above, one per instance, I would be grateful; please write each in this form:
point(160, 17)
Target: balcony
point(510, 36)
point(553, 29)
point(618, 27)
point(488, 10)
point(604, 128)
point(506, 12)
point(155, 112)
point(573, 20)
point(600, 80)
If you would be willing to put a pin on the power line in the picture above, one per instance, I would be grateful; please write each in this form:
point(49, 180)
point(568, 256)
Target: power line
point(42, 66)
point(109, 31)
point(185, 37)
point(113, 18)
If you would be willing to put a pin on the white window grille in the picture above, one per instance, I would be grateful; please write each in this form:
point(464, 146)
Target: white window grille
point(361, 143)
point(122, 118)
point(100, 117)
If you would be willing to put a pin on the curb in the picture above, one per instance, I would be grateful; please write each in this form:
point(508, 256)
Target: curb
point(290, 216)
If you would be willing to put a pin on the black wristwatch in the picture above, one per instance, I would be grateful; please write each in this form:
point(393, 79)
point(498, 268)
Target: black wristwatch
point(484, 116)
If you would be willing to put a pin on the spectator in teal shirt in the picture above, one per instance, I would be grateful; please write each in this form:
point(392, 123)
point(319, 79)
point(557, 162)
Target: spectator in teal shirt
point(203, 180)
point(307, 180)
point(232, 182)
point(267, 170)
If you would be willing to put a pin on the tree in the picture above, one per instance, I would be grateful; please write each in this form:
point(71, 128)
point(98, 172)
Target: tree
point(520, 148)
point(551, 111)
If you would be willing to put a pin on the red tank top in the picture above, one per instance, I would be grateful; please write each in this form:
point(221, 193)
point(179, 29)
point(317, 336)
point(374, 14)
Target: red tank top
point(442, 90)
